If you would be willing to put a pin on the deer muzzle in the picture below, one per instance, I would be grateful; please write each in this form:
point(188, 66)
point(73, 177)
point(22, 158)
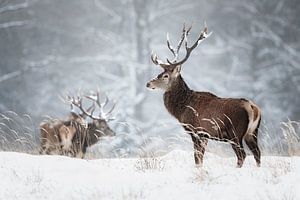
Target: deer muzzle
point(150, 84)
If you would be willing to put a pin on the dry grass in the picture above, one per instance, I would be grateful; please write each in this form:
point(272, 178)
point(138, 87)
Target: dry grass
point(17, 133)
point(130, 194)
point(150, 162)
point(291, 131)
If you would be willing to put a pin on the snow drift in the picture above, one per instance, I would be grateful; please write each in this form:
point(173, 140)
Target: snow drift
point(172, 176)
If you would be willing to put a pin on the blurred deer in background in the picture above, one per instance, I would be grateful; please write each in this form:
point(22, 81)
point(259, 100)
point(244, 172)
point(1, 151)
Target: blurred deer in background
point(204, 115)
point(95, 129)
point(72, 136)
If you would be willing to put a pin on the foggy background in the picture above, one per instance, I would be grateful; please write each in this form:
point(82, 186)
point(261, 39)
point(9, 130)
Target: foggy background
point(50, 47)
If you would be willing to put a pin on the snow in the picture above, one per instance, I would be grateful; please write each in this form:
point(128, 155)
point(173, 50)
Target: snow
point(173, 176)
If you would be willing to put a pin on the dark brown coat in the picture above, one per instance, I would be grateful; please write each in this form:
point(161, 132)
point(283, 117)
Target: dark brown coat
point(221, 118)
point(204, 115)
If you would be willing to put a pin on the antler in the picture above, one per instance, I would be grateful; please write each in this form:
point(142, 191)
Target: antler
point(176, 51)
point(77, 101)
point(91, 109)
point(96, 98)
point(203, 34)
point(156, 61)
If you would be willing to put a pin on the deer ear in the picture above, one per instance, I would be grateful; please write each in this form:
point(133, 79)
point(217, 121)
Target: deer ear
point(176, 70)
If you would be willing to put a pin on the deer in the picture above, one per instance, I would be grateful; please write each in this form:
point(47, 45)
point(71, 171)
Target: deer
point(204, 115)
point(96, 129)
point(74, 135)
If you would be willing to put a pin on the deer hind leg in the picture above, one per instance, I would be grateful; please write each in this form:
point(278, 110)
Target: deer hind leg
point(240, 153)
point(199, 149)
point(253, 146)
point(250, 137)
point(251, 141)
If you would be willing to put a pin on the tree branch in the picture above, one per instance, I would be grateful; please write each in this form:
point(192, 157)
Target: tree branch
point(13, 24)
point(14, 7)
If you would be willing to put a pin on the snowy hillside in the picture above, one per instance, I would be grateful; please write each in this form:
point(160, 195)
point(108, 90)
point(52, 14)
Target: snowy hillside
point(173, 176)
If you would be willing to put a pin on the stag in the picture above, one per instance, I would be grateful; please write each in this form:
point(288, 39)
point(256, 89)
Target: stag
point(204, 115)
point(74, 135)
point(95, 129)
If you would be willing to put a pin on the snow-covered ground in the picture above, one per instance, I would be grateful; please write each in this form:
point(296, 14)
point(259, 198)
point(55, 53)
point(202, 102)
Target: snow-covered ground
point(173, 176)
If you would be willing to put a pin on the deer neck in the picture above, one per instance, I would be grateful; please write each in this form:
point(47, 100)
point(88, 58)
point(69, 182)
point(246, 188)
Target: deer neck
point(177, 97)
point(93, 135)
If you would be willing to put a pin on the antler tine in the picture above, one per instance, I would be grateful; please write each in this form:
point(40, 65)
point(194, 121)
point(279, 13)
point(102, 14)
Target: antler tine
point(203, 34)
point(92, 108)
point(70, 100)
point(155, 60)
point(67, 99)
point(102, 106)
point(175, 52)
point(184, 34)
point(105, 102)
point(185, 37)
point(111, 109)
point(97, 100)
point(78, 103)
point(86, 113)
point(71, 105)
point(171, 48)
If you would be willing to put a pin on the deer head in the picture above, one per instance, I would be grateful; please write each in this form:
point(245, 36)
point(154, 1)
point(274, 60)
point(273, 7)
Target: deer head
point(99, 125)
point(172, 68)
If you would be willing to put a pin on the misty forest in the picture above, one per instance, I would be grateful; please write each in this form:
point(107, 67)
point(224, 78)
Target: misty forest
point(49, 49)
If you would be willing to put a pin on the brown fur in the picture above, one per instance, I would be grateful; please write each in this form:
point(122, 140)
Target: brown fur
point(50, 137)
point(90, 136)
point(71, 137)
point(224, 118)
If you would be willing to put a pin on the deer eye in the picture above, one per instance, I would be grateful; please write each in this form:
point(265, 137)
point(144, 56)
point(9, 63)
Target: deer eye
point(166, 76)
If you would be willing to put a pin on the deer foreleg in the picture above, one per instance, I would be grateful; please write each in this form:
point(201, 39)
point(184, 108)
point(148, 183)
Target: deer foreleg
point(199, 149)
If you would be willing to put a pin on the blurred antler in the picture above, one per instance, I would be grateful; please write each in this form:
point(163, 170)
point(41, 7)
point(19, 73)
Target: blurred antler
point(96, 99)
point(77, 102)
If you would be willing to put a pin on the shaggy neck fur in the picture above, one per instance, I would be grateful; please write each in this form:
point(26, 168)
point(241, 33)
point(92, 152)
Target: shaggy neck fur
point(177, 97)
point(93, 134)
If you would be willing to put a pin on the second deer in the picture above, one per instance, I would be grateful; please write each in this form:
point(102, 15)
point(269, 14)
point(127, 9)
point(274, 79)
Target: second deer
point(94, 130)
point(74, 135)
